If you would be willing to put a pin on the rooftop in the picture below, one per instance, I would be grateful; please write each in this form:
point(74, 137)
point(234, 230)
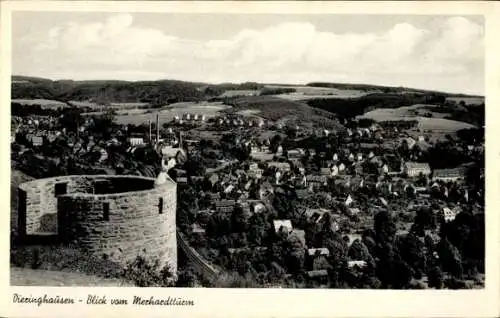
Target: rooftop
point(287, 224)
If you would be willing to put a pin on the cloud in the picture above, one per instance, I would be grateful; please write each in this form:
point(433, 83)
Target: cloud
point(292, 51)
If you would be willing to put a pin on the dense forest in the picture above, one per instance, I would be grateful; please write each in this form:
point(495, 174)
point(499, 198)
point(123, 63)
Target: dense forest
point(154, 92)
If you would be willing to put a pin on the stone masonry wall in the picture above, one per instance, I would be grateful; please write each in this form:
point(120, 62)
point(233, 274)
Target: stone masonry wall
point(41, 202)
point(134, 225)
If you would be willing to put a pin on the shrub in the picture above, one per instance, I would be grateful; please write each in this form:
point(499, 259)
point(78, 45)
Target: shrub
point(145, 272)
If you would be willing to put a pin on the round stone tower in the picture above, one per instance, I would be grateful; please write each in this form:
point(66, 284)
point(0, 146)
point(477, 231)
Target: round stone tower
point(119, 216)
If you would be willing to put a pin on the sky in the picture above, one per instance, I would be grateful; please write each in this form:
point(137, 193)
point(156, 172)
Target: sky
point(430, 52)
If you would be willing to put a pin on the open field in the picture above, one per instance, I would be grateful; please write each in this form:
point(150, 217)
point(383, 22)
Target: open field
point(234, 93)
point(310, 92)
point(415, 112)
point(115, 106)
point(168, 113)
point(248, 112)
point(441, 124)
point(403, 112)
point(44, 103)
point(123, 112)
point(31, 277)
point(304, 97)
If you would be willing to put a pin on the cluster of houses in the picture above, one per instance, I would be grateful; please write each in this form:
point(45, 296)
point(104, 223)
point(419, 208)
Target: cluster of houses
point(249, 187)
point(233, 121)
point(390, 180)
point(190, 118)
point(339, 174)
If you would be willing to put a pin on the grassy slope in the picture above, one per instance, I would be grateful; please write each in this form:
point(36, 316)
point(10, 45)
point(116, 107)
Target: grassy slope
point(31, 277)
point(275, 108)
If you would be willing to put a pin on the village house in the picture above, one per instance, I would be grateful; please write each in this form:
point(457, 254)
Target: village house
point(353, 237)
point(37, 141)
point(315, 215)
point(410, 142)
point(455, 174)
point(254, 171)
point(415, 169)
point(213, 179)
point(384, 169)
point(342, 167)
point(317, 258)
point(286, 225)
point(255, 174)
point(225, 206)
point(253, 166)
point(294, 154)
point(181, 181)
point(301, 194)
point(283, 166)
point(348, 201)
point(261, 153)
point(319, 276)
point(356, 263)
point(136, 141)
point(354, 211)
point(316, 182)
point(258, 207)
point(326, 172)
point(265, 190)
point(229, 189)
point(197, 230)
point(247, 185)
point(449, 214)
point(214, 196)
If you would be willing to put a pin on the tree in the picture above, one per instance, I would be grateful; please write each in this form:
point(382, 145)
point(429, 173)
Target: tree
point(103, 124)
point(239, 220)
point(257, 232)
point(425, 219)
point(385, 227)
point(435, 277)
point(187, 278)
point(392, 271)
point(71, 119)
point(295, 256)
point(359, 251)
point(148, 273)
point(411, 250)
point(195, 166)
point(450, 258)
point(275, 142)
point(371, 245)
